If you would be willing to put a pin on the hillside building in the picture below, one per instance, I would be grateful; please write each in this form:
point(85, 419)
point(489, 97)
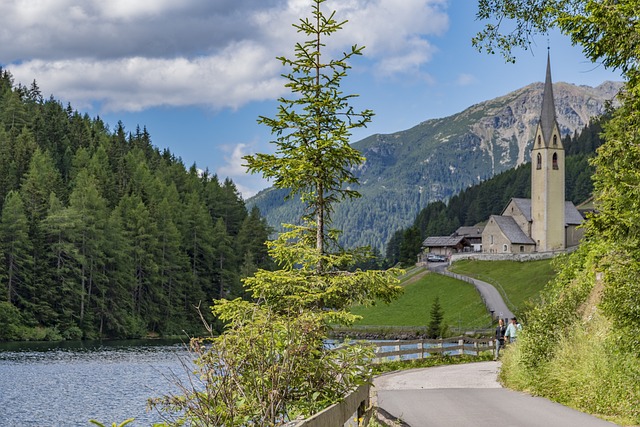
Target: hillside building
point(546, 222)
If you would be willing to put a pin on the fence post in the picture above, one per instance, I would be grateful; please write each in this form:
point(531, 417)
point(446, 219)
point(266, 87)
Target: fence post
point(461, 345)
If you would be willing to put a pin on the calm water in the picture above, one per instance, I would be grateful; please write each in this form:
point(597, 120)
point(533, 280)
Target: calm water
point(67, 384)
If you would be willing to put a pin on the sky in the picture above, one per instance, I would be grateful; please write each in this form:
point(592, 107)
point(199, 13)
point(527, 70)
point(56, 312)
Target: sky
point(198, 73)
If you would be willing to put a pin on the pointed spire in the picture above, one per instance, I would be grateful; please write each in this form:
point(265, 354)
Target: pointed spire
point(548, 114)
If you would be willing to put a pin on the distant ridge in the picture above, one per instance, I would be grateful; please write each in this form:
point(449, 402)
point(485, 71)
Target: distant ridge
point(437, 158)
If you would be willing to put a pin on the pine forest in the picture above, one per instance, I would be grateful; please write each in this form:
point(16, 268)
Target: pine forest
point(103, 235)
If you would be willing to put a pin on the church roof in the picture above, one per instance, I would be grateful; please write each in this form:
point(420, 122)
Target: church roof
point(572, 215)
point(511, 230)
point(548, 113)
point(524, 205)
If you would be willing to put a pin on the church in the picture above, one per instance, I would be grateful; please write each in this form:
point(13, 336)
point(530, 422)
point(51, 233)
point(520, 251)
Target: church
point(546, 222)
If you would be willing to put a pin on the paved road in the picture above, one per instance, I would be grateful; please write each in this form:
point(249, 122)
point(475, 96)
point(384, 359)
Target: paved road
point(492, 298)
point(469, 395)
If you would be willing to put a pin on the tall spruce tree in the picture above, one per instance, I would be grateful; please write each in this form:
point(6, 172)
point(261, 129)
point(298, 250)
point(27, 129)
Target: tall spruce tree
point(271, 365)
point(313, 157)
point(15, 251)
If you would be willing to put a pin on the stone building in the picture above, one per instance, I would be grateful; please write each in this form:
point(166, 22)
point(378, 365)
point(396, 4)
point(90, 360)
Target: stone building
point(546, 222)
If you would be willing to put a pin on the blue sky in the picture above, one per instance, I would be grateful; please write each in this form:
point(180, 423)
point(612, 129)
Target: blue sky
point(198, 73)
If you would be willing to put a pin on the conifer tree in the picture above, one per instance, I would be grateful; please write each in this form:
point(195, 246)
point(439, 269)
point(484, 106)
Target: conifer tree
point(313, 157)
point(434, 329)
point(15, 251)
point(271, 365)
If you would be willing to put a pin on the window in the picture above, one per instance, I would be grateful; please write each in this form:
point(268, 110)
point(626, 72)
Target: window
point(539, 161)
point(492, 239)
point(555, 160)
point(504, 248)
point(555, 139)
point(521, 248)
point(539, 140)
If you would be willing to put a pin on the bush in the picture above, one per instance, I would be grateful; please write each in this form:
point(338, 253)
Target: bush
point(570, 350)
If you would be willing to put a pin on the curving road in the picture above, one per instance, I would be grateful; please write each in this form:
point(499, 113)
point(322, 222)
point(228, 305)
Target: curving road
point(490, 295)
point(467, 395)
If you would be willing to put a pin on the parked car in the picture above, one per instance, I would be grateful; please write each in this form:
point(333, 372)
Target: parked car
point(435, 258)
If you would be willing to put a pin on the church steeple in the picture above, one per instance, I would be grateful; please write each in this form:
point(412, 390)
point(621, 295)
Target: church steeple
point(548, 113)
point(547, 177)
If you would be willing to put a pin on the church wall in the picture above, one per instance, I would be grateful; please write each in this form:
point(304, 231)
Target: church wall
point(574, 235)
point(493, 239)
point(513, 211)
point(548, 194)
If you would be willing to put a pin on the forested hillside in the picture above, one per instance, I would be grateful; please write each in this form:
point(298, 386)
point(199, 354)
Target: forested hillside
point(104, 235)
point(407, 170)
point(475, 204)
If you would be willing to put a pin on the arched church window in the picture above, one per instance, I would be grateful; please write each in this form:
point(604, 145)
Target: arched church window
point(539, 140)
point(555, 139)
point(555, 160)
point(539, 161)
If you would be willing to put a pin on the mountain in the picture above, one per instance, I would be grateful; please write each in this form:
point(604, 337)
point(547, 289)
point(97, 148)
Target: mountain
point(438, 158)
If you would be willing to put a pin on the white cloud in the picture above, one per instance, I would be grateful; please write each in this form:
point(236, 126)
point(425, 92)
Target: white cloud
point(465, 79)
point(248, 184)
point(124, 55)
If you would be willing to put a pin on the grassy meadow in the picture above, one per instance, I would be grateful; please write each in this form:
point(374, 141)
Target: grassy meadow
point(460, 302)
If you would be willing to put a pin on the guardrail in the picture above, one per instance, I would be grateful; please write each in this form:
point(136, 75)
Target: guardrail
point(419, 349)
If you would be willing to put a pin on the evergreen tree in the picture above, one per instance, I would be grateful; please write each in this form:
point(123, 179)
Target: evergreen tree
point(15, 251)
point(434, 329)
point(149, 302)
point(225, 278)
point(90, 209)
point(314, 159)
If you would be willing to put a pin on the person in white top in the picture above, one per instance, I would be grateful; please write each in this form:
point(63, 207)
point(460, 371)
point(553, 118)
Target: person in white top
point(512, 330)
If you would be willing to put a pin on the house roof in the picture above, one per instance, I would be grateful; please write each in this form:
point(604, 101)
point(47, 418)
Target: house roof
point(511, 230)
point(442, 241)
point(469, 231)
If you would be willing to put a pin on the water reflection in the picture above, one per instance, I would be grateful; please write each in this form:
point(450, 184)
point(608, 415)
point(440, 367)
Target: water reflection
point(66, 384)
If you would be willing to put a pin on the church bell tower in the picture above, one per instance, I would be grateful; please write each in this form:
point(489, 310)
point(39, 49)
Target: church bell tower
point(547, 177)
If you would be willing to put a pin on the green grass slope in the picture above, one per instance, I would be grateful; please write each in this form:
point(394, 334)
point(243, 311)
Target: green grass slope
point(461, 304)
point(517, 282)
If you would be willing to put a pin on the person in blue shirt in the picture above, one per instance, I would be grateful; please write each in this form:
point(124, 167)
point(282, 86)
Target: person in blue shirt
point(512, 330)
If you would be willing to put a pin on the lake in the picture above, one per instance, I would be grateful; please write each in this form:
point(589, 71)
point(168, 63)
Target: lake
point(67, 384)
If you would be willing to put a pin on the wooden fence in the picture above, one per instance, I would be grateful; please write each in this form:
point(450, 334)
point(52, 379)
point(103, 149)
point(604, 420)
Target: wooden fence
point(419, 349)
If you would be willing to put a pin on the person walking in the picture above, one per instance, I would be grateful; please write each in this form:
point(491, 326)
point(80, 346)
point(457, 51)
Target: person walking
point(500, 331)
point(512, 330)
